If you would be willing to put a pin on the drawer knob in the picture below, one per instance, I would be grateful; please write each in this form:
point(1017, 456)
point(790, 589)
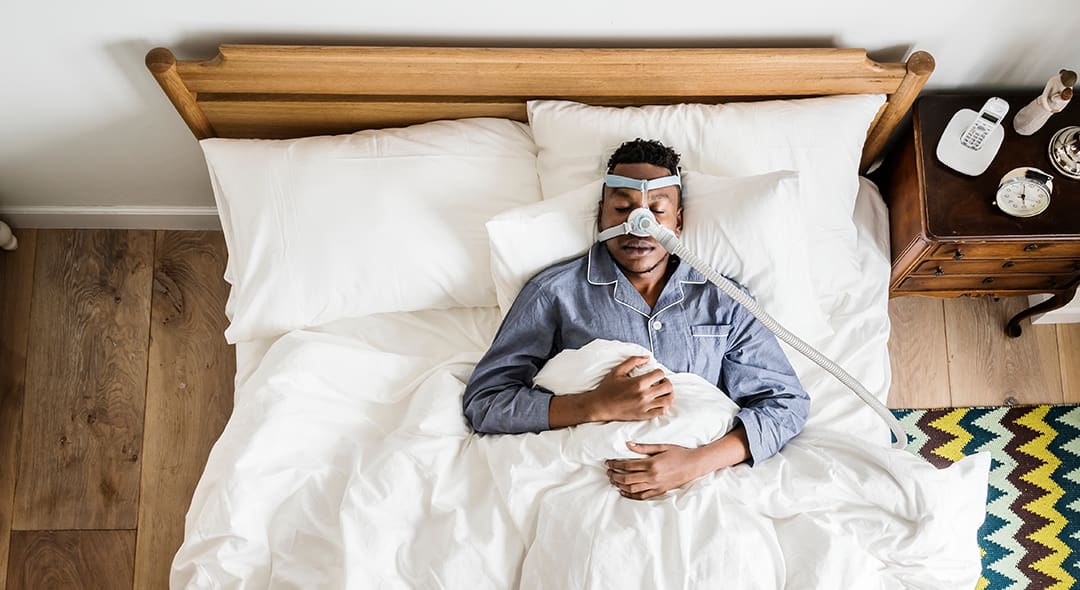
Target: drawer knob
point(938, 271)
point(1031, 247)
point(958, 254)
point(1008, 264)
point(988, 280)
point(1053, 283)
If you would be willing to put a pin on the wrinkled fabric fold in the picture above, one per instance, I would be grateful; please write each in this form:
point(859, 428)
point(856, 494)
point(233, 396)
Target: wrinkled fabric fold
point(347, 467)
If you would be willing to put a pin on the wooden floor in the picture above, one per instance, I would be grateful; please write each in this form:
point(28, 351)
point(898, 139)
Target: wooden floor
point(954, 352)
point(115, 382)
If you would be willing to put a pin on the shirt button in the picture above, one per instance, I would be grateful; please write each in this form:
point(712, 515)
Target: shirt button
point(657, 325)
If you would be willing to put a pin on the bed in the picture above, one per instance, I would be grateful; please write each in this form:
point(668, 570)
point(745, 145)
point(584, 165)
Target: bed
point(347, 461)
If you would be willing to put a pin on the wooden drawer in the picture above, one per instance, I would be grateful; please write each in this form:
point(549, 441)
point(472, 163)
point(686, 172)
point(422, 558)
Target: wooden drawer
point(1006, 250)
point(991, 267)
point(988, 283)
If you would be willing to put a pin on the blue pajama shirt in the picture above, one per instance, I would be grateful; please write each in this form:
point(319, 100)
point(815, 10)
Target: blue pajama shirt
point(694, 327)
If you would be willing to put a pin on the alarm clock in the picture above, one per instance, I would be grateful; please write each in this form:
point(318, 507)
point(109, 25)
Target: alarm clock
point(1024, 192)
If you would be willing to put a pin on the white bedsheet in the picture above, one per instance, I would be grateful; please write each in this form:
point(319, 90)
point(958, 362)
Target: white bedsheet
point(347, 464)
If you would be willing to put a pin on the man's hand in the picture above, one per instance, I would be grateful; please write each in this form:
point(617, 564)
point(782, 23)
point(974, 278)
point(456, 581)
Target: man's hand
point(618, 397)
point(670, 466)
point(666, 468)
point(624, 398)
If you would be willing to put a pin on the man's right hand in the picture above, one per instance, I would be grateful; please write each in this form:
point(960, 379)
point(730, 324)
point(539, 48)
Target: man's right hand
point(620, 397)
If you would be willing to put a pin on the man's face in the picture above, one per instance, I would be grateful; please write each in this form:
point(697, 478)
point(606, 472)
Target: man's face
point(634, 254)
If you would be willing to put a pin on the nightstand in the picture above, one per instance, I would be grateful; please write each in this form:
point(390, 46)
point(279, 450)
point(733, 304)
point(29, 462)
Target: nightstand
point(950, 240)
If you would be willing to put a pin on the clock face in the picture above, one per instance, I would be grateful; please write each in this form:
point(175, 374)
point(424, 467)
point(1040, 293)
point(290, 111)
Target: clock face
point(1023, 197)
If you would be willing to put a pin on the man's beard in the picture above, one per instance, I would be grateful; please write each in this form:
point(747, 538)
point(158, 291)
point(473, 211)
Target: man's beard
point(642, 272)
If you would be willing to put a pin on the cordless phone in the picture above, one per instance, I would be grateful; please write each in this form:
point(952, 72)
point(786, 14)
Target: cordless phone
point(991, 114)
point(971, 140)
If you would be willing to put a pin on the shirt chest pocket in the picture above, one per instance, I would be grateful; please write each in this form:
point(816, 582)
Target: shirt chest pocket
point(709, 344)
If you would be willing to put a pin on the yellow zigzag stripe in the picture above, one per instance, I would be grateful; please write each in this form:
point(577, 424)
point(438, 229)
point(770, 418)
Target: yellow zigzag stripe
point(1048, 536)
point(950, 424)
point(984, 583)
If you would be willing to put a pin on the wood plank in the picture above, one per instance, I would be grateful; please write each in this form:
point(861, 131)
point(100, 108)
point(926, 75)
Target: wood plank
point(917, 353)
point(986, 366)
point(1069, 358)
point(537, 72)
point(293, 118)
point(189, 390)
point(16, 286)
point(287, 117)
point(85, 381)
point(78, 560)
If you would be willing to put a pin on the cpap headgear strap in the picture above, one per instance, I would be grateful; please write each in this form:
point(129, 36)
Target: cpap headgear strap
point(633, 223)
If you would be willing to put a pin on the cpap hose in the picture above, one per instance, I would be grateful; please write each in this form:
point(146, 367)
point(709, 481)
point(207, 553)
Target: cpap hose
point(642, 221)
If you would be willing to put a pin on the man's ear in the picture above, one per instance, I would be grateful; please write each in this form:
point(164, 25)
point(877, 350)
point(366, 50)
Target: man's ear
point(678, 221)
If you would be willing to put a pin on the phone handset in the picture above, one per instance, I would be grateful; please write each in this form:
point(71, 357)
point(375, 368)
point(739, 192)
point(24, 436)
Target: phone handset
point(971, 140)
point(989, 117)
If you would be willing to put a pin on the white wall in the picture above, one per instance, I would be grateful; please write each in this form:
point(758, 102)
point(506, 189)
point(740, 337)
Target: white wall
point(84, 124)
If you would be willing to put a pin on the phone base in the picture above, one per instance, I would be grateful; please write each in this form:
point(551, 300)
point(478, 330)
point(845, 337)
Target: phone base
point(964, 159)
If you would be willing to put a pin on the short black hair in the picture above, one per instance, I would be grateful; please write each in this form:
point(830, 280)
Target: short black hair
point(645, 151)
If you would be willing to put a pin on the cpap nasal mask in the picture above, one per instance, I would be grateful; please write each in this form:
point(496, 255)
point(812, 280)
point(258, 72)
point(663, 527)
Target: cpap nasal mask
point(627, 227)
point(642, 223)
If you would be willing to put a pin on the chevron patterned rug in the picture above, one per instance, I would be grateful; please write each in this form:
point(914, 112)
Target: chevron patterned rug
point(1031, 536)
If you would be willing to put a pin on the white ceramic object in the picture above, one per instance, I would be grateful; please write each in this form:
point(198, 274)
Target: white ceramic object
point(1055, 96)
point(7, 240)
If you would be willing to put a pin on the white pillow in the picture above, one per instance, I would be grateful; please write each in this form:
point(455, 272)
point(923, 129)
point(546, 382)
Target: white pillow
point(324, 228)
point(526, 240)
point(822, 138)
point(748, 228)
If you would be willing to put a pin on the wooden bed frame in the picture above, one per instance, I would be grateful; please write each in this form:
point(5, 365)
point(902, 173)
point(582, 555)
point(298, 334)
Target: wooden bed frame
point(272, 91)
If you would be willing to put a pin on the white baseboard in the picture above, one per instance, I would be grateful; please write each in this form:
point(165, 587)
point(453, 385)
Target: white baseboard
point(205, 218)
point(1070, 314)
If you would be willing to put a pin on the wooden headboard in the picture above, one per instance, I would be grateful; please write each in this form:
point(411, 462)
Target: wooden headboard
point(274, 91)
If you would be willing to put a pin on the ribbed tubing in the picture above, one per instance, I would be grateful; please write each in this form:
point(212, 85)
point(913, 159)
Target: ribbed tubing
point(674, 245)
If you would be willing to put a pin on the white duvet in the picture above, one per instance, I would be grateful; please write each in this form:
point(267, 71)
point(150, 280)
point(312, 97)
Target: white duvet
point(346, 467)
point(347, 463)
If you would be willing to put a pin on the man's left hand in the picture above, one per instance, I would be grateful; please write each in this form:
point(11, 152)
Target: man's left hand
point(666, 468)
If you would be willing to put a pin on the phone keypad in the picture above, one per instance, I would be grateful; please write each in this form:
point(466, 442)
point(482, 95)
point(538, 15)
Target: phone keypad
point(974, 136)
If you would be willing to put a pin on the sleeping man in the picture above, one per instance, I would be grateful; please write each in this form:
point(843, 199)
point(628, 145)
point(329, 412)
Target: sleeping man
point(631, 289)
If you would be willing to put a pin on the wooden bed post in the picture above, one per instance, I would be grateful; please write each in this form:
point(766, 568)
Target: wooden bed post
point(919, 67)
point(162, 64)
